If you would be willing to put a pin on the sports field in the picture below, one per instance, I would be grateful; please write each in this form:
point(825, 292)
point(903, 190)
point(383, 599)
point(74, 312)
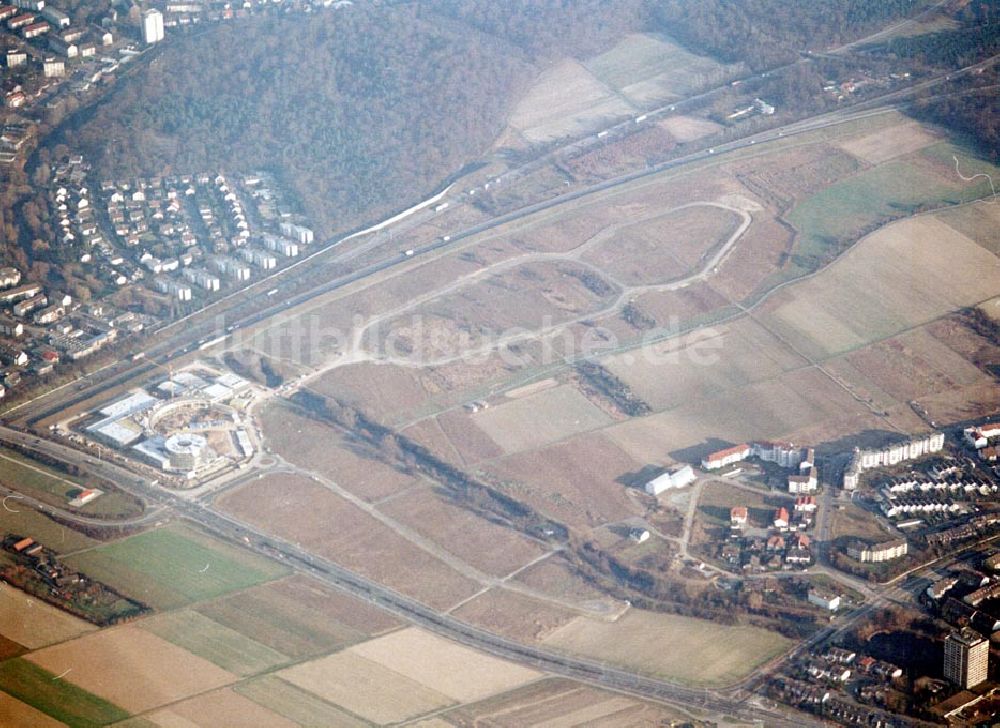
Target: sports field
point(166, 567)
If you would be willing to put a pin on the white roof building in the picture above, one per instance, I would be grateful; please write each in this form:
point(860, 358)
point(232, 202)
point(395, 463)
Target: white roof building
point(677, 478)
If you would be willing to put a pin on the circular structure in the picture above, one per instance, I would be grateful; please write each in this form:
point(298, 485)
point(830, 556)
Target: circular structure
point(186, 451)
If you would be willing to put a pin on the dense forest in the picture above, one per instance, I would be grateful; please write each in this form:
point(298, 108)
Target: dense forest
point(767, 33)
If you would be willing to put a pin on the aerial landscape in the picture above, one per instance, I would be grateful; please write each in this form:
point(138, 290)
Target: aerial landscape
point(451, 363)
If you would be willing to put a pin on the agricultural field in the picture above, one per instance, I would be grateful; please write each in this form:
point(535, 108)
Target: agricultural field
point(50, 486)
point(662, 248)
point(365, 688)
point(693, 651)
point(514, 615)
point(646, 68)
point(303, 510)
point(853, 206)
point(296, 704)
point(459, 672)
point(223, 708)
point(131, 668)
point(36, 690)
point(298, 617)
point(489, 547)
point(15, 713)
point(220, 645)
point(25, 521)
point(166, 567)
point(895, 141)
point(868, 293)
point(558, 703)
point(978, 222)
point(33, 623)
point(404, 675)
point(566, 100)
point(540, 419)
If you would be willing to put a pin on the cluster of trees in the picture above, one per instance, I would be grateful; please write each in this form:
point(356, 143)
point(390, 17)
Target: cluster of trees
point(768, 33)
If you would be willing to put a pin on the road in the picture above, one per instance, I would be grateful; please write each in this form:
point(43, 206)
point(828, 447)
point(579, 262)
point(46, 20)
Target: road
point(243, 534)
point(186, 340)
point(204, 325)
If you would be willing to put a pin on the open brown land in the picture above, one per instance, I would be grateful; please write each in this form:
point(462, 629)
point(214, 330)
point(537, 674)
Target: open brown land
point(514, 615)
point(15, 713)
point(852, 521)
point(565, 100)
point(204, 637)
point(33, 623)
point(489, 547)
point(303, 511)
point(662, 248)
point(694, 651)
point(307, 443)
point(296, 704)
point(558, 703)
point(717, 359)
point(449, 668)
point(299, 617)
point(577, 481)
point(540, 419)
point(889, 143)
point(131, 667)
point(868, 293)
point(689, 128)
point(365, 688)
point(556, 576)
point(647, 67)
point(978, 222)
point(218, 709)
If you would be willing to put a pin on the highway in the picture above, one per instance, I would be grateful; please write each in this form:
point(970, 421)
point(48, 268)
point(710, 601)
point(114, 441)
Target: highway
point(206, 325)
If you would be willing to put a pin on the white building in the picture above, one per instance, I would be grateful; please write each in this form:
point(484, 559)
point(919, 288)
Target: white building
point(202, 278)
point(721, 458)
point(783, 454)
point(152, 26)
point(677, 478)
point(298, 233)
point(804, 482)
point(824, 600)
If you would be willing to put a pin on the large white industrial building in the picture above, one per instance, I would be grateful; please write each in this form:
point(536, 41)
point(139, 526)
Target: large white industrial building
point(676, 478)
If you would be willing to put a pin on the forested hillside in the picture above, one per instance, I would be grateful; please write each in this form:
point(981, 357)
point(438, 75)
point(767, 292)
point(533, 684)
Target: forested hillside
point(366, 109)
point(360, 111)
point(765, 33)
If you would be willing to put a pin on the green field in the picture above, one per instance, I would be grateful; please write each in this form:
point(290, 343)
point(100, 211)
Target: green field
point(166, 568)
point(845, 210)
point(62, 700)
point(279, 622)
point(29, 522)
point(296, 704)
point(49, 485)
point(206, 638)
